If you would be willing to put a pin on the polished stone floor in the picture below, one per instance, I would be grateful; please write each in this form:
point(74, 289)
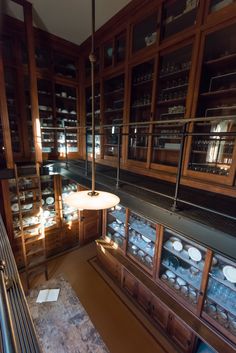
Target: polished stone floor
point(63, 326)
point(121, 330)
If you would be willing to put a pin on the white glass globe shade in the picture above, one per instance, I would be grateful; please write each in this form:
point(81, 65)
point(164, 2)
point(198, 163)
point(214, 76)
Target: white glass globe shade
point(83, 200)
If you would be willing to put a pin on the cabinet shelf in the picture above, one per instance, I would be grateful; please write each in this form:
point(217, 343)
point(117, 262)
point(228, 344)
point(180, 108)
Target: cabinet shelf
point(142, 83)
point(120, 90)
point(223, 92)
point(221, 304)
point(175, 87)
point(119, 215)
point(224, 282)
point(198, 266)
point(174, 73)
point(140, 106)
point(221, 60)
point(113, 110)
point(117, 231)
point(142, 246)
point(172, 101)
point(178, 274)
point(144, 232)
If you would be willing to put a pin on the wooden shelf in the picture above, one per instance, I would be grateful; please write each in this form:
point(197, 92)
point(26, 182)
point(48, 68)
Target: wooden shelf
point(223, 92)
point(171, 101)
point(221, 60)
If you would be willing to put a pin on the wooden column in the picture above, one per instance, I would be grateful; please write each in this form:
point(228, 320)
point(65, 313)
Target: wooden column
point(6, 132)
point(28, 19)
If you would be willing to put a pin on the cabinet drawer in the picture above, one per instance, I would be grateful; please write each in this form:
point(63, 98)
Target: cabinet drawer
point(130, 284)
point(160, 313)
point(144, 298)
point(110, 265)
point(180, 334)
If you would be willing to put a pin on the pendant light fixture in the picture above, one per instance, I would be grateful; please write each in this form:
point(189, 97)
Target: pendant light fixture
point(92, 199)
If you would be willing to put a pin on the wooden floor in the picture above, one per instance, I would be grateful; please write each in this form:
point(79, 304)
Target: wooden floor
point(121, 331)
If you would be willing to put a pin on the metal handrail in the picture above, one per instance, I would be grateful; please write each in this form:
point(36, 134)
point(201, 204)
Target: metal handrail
point(7, 330)
point(182, 135)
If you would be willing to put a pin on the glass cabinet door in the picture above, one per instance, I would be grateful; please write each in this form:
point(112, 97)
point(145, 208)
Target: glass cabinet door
point(48, 201)
point(66, 114)
point(64, 66)
point(182, 263)
point(120, 47)
point(220, 301)
point(212, 154)
point(116, 218)
point(113, 113)
point(108, 52)
point(172, 90)
point(145, 33)
point(141, 241)
point(140, 110)
point(178, 15)
point(69, 213)
point(89, 119)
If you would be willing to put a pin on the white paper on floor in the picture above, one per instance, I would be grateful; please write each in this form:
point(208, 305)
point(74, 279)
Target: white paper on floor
point(48, 295)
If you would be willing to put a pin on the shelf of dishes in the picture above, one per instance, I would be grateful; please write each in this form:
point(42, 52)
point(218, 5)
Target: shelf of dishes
point(220, 302)
point(116, 218)
point(69, 213)
point(182, 265)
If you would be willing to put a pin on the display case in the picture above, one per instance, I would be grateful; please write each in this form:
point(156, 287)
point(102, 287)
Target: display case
point(142, 236)
point(116, 226)
point(216, 5)
point(220, 299)
point(140, 110)
point(69, 214)
point(43, 55)
point(97, 97)
point(114, 50)
point(113, 113)
point(213, 154)
point(172, 88)
point(182, 266)
point(66, 117)
point(50, 217)
point(178, 15)
point(145, 32)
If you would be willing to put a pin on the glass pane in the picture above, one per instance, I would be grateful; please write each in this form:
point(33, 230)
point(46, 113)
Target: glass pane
point(116, 217)
point(172, 91)
point(144, 33)
point(69, 213)
point(213, 154)
point(48, 201)
point(89, 119)
point(182, 264)
point(64, 66)
point(66, 114)
point(220, 303)
point(120, 44)
point(113, 113)
point(108, 54)
point(216, 5)
point(140, 111)
point(142, 238)
point(178, 15)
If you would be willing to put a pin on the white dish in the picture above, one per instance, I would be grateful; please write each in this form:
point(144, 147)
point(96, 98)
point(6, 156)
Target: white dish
point(46, 214)
point(168, 244)
point(194, 254)
point(177, 245)
point(180, 281)
point(148, 259)
point(146, 239)
point(15, 207)
point(141, 253)
point(170, 274)
point(49, 200)
point(28, 206)
point(230, 273)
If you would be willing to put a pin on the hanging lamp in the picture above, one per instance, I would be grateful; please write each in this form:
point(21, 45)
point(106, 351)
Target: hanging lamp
point(92, 199)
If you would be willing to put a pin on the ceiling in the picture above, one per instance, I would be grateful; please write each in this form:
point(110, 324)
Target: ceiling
point(68, 19)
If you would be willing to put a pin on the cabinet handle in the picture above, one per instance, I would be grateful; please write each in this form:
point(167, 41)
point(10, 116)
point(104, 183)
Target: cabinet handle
point(201, 293)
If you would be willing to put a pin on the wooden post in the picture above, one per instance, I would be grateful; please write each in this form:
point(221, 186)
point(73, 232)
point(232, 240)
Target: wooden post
point(28, 19)
point(6, 132)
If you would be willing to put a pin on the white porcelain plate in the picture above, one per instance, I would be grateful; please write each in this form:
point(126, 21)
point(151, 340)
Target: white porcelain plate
point(194, 254)
point(49, 200)
point(177, 245)
point(146, 239)
point(15, 207)
point(230, 273)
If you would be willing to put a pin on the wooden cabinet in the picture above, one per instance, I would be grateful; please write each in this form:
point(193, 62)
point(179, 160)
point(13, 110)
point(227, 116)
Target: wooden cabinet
point(90, 222)
point(109, 264)
point(144, 298)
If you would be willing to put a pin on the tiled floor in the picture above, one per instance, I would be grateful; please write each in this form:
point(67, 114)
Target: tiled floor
point(121, 331)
